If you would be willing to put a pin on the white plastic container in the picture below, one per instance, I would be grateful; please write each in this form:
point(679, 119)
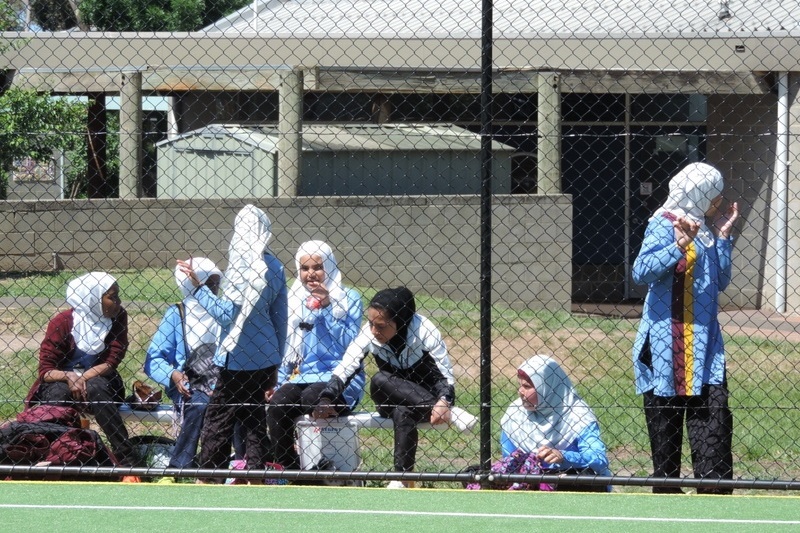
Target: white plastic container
point(336, 442)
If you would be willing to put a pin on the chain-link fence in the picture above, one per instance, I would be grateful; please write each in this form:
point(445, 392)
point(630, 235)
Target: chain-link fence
point(505, 163)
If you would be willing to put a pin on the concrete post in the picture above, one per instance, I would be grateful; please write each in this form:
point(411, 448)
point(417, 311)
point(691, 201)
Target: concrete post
point(290, 127)
point(130, 135)
point(549, 145)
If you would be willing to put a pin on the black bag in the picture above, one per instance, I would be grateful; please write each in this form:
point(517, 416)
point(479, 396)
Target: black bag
point(29, 443)
point(199, 368)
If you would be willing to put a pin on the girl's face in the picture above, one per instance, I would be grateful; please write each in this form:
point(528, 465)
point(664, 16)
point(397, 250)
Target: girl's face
point(111, 304)
point(312, 272)
point(213, 283)
point(381, 327)
point(527, 393)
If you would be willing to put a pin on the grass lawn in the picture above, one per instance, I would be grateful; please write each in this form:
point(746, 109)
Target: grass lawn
point(595, 351)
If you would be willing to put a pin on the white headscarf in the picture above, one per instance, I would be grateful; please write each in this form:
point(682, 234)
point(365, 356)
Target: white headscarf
point(560, 415)
point(201, 327)
point(245, 276)
point(298, 294)
point(85, 296)
point(691, 191)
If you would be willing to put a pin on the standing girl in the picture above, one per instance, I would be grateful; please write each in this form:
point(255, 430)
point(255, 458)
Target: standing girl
point(678, 356)
point(253, 316)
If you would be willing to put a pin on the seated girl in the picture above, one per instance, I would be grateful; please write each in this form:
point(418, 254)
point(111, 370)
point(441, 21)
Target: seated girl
point(324, 317)
point(414, 381)
point(180, 358)
point(550, 425)
point(79, 356)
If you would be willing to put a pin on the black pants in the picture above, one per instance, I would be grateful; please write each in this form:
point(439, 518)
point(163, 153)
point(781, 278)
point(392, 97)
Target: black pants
point(407, 404)
point(238, 397)
point(289, 402)
point(104, 394)
point(709, 425)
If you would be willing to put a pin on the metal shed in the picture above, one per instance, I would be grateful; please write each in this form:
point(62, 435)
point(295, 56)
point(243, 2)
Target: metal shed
point(239, 161)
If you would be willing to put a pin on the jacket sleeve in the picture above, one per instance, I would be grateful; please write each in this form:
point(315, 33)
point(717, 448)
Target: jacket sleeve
point(222, 309)
point(724, 253)
point(279, 311)
point(435, 347)
point(342, 331)
point(591, 451)
point(351, 361)
point(162, 355)
point(659, 253)
point(506, 445)
point(56, 343)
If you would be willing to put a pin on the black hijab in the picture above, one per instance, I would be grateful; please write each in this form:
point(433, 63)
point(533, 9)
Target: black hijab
point(399, 306)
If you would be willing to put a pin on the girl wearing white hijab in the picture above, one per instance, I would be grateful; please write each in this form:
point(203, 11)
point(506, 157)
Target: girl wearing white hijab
point(678, 356)
point(180, 358)
point(79, 356)
point(252, 315)
point(324, 317)
point(550, 421)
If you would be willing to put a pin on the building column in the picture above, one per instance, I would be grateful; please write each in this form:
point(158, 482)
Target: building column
point(130, 135)
point(290, 127)
point(549, 133)
point(792, 273)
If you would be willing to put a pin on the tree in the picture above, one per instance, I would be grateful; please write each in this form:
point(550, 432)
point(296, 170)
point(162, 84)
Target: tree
point(34, 126)
point(131, 15)
point(8, 17)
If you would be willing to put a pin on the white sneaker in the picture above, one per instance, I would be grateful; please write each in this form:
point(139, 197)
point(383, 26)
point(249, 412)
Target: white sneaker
point(400, 485)
point(462, 419)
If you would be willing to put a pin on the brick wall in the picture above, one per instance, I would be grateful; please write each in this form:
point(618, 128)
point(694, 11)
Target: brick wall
point(431, 244)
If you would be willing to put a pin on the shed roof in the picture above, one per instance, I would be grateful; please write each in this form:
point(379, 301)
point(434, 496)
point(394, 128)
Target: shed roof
point(512, 18)
point(350, 137)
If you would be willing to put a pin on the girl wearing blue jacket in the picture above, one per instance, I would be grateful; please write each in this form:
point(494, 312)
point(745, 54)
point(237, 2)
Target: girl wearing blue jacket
point(551, 422)
point(252, 316)
point(187, 333)
point(324, 317)
point(678, 356)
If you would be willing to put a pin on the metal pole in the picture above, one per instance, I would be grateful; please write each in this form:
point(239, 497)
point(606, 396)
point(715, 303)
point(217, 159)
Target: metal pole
point(486, 235)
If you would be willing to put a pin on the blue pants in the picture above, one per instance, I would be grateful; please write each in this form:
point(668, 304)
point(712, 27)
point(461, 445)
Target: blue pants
point(192, 410)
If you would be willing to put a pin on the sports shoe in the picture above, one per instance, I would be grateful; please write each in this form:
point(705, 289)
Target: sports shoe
point(401, 485)
point(131, 479)
point(462, 419)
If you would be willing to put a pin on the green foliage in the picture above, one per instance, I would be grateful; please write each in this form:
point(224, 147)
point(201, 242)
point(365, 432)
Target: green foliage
point(155, 15)
point(34, 125)
point(8, 17)
point(53, 15)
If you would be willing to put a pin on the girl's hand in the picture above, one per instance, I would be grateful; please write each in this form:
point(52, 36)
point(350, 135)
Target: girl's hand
point(441, 412)
point(324, 409)
point(77, 386)
point(550, 455)
point(181, 383)
point(186, 268)
point(320, 297)
point(724, 224)
point(685, 231)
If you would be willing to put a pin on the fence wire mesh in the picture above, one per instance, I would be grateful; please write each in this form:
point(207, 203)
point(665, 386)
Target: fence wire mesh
point(133, 135)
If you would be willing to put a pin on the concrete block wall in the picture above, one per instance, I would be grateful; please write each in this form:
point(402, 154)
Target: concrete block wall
point(742, 144)
point(429, 243)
